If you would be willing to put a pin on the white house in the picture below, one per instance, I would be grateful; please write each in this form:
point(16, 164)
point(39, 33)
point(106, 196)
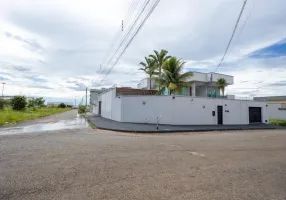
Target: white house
point(143, 106)
point(201, 84)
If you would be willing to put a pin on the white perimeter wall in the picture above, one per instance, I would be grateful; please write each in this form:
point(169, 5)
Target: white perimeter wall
point(110, 105)
point(186, 110)
point(275, 113)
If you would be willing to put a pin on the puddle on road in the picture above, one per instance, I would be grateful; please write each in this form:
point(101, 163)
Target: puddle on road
point(78, 122)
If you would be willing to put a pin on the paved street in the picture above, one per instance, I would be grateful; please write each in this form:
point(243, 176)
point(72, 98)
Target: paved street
point(94, 164)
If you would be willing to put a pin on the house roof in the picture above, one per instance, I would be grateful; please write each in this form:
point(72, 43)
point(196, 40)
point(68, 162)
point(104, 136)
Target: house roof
point(132, 91)
point(270, 98)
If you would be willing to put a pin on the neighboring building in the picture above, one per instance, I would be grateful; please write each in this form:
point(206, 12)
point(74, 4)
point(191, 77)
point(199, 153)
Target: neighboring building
point(201, 85)
point(271, 99)
point(143, 106)
point(276, 106)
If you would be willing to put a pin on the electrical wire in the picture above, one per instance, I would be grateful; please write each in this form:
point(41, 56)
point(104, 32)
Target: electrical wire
point(241, 30)
point(125, 20)
point(137, 31)
point(129, 31)
point(233, 32)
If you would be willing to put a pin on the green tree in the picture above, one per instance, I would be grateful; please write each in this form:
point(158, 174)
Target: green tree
point(173, 77)
point(18, 102)
point(62, 105)
point(2, 104)
point(221, 84)
point(40, 101)
point(31, 103)
point(150, 68)
point(160, 58)
point(81, 109)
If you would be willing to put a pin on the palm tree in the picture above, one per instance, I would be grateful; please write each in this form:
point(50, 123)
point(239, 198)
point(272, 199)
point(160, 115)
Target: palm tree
point(150, 68)
point(221, 84)
point(160, 58)
point(173, 77)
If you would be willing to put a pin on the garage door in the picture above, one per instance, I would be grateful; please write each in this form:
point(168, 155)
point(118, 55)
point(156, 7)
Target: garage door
point(254, 114)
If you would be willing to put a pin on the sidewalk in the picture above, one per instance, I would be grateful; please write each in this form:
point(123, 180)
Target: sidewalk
point(107, 124)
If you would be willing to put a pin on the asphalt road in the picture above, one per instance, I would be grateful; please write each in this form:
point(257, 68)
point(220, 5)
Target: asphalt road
point(94, 164)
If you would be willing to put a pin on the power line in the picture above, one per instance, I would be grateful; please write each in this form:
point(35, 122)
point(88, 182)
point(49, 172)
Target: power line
point(233, 32)
point(138, 29)
point(129, 13)
point(242, 28)
point(129, 31)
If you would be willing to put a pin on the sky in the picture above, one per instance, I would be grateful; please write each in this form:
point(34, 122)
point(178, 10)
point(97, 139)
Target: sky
point(57, 48)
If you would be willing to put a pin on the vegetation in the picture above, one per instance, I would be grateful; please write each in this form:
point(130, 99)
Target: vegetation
point(2, 104)
point(160, 59)
point(81, 109)
point(173, 77)
point(18, 102)
point(221, 84)
point(150, 68)
point(10, 116)
point(277, 122)
point(166, 70)
point(40, 102)
point(31, 103)
point(62, 105)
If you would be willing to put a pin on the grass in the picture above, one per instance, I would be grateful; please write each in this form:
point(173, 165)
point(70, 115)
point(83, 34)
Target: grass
point(277, 122)
point(9, 116)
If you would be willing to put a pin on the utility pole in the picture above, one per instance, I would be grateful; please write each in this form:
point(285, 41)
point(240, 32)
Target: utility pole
point(86, 97)
point(3, 89)
point(75, 102)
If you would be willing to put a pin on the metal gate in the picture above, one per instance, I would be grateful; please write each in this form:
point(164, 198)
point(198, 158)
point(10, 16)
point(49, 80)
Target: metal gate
point(255, 115)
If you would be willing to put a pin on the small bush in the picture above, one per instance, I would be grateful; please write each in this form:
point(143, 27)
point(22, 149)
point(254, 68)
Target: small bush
point(2, 104)
point(18, 102)
point(62, 105)
point(81, 109)
point(40, 102)
point(278, 122)
point(31, 103)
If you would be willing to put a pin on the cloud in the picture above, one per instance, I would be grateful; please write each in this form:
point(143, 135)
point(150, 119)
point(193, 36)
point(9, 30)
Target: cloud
point(3, 79)
point(62, 43)
point(40, 87)
point(279, 83)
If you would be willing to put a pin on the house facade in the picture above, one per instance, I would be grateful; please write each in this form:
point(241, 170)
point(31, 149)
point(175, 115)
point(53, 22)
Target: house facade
point(201, 85)
point(144, 106)
point(277, 106)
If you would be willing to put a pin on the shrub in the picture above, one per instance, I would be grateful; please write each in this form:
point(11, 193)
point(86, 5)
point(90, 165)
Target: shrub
point(40, 102)
point(81, 109)
point(18, 102)
point(2, 104)
point(31, 103)
point(278, 122)
point(62, 105)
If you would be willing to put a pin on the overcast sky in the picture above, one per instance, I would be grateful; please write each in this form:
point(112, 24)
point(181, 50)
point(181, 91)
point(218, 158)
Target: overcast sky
point(49, 46)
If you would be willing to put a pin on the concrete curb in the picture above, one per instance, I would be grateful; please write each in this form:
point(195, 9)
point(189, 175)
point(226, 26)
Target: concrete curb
point(176, 131)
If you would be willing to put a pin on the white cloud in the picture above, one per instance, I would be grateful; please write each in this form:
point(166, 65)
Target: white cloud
point(66, 41)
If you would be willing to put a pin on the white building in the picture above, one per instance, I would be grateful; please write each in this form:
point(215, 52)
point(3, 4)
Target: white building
point(201, 84)
point(133, 105)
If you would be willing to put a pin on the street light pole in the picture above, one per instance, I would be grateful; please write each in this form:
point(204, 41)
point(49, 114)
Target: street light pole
point(85, 97)
point(3, 89)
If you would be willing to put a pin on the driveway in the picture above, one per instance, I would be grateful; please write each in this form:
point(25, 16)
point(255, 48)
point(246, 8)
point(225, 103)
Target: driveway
point(95, 164)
